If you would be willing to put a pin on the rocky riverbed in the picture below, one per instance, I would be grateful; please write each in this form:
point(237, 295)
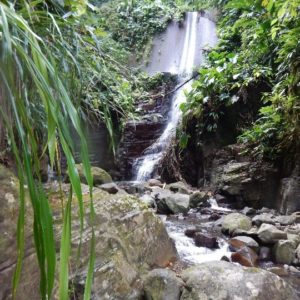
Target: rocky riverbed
point(158, 241)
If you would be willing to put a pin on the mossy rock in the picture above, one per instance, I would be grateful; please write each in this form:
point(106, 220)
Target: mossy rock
point(100, 176)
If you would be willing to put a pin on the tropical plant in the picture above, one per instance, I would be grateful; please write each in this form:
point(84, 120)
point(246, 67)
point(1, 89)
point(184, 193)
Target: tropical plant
point(30, 82)
point(258, 45)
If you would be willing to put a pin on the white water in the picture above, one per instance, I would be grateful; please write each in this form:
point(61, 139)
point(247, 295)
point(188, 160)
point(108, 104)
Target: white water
point(199, 32)
point(215, 206)
point(189, 252)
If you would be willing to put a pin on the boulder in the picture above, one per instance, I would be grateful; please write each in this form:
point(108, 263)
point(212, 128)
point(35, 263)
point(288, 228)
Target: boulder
point(264, 218)
point(269, 218)
point(111, 188)
point(269, 234)
point(245, 257)
point(284, 252)
point(148, 200)
point(190, 232)
point(205, 240)
point(178, 187)
point(235, 221)
point(162, 284)
point(248, 211)
point(155, 182)
point(251, 233)
point(198, 198)
point(221, 280)
point(246, 241)
point(129, 240)
point(160, 195)
point(178, 203)
point(100, 176)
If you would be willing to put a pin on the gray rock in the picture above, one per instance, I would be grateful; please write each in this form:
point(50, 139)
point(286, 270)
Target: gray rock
point(284, 252)
point(100, 176)
point(298, 251)
point(289, 194)
point(251, 233)
point(178, 203)
point(178, 187)
point(160, 195)
point(235, 221)
point(205, 240)
point(248, 241)
point(148, 200)
point(155, 182)
point(162, 284)
point(226, 281)
point(264, 218)
point(129, 240)
point(248, 211)
point(111, 188)
point(197, 198)
point(269, 234)
point(294, 238)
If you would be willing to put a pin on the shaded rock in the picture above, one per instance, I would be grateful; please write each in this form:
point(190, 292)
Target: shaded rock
point(247, 241)
point(226, 281)
point(162, 284)
point(178, 187)
point(235, 221)
point(269, 234)
point(190, 232)
point(289, 194)
point(264, 218)
point(100, 176)
point(205, 240)
point(214, 217)
point(178, 203)
point(264, 253)
point(284, 252)
point(248, 211)
point(198, 198)
point(111, 188)
point(160, 195)
point(251, 233)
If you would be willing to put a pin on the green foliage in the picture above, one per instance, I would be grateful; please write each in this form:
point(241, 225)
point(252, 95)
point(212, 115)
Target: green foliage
point(31, 82)
point(133, 23)
point(259, 43)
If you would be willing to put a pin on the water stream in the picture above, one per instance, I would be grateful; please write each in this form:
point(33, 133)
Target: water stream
point(198, 32)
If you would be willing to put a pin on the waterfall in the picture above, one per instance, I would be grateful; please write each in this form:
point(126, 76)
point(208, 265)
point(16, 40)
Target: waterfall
point(194, 25)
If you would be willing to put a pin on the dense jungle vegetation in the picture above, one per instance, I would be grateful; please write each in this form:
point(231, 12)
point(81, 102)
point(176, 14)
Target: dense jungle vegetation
point(258, 51)
point(66, 63)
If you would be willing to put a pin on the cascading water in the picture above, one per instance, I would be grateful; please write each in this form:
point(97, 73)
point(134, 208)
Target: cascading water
point(199, 32)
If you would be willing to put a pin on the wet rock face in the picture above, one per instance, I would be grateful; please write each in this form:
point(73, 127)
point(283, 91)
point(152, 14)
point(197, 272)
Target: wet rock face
point(245, 182)
point(205, 240)
point(139, 134)
point(226, 281)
